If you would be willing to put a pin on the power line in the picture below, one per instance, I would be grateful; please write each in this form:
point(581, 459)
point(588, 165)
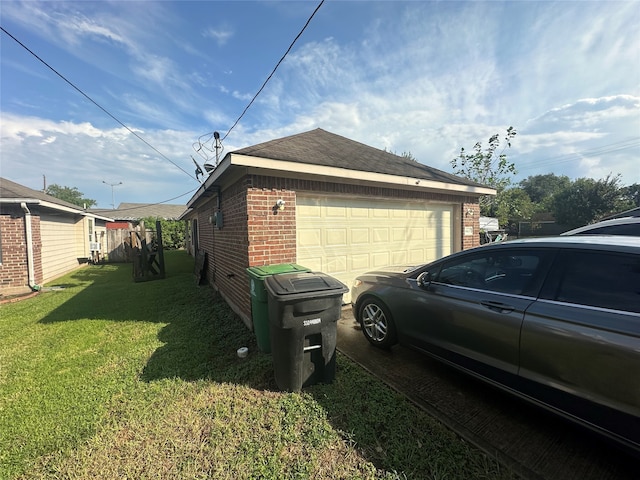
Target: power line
point(274, 69)
point(153, 204)
point(96, 103)
point(569, 157)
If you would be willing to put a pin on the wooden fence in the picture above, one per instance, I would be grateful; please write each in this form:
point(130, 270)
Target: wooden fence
point(119, 244)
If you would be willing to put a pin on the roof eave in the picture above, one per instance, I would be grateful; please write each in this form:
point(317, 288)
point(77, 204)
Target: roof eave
point(260, 165)
point(53, 206)
point(356, 176)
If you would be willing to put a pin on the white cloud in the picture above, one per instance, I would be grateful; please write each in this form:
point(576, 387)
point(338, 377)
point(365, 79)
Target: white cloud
point(83, 156)
point(220, 34)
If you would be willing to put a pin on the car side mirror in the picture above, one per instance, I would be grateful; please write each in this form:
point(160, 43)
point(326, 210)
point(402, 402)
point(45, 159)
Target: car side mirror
point(424, 279)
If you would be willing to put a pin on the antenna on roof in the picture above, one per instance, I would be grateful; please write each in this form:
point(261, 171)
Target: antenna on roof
point(217, 145)
point(198, 169)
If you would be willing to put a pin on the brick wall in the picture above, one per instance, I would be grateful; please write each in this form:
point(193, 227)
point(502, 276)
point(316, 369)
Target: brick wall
point(255, 233)
point(470, 220)
point(14, 272)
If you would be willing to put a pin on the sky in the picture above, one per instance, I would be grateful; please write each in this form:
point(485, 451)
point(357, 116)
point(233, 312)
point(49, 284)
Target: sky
point(146, 83)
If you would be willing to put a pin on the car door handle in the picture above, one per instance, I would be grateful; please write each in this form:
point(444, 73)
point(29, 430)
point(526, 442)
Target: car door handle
point(498, 306)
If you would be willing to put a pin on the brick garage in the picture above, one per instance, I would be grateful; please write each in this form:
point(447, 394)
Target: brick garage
point(235, 218)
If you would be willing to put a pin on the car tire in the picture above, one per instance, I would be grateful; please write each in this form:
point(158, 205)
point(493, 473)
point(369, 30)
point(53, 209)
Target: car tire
point(377, 323)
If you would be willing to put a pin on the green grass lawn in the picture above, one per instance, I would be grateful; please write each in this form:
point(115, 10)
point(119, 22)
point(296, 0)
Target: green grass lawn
point(111, 379)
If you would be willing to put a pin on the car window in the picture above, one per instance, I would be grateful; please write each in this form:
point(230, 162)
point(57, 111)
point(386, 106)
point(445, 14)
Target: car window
point(600, 279)
point(628, 229)
point(508, 271)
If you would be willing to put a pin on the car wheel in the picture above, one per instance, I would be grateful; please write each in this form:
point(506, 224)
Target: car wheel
point(377, 324)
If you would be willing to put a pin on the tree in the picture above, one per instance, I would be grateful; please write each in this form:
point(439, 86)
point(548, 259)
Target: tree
point(70, 194)
point(542, 188)
point(632, 194)
point(587, 200)
point(172, 231)
point(512, 205)
point(487, 167)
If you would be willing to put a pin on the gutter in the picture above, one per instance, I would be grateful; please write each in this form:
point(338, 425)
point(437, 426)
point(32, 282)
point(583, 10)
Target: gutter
point(29, 239)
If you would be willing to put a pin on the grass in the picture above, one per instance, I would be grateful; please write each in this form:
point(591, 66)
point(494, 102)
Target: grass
point(109, 379)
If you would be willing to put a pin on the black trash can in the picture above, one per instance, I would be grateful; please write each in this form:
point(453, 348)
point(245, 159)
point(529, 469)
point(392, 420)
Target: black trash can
point(304, 309)
point(259, 298)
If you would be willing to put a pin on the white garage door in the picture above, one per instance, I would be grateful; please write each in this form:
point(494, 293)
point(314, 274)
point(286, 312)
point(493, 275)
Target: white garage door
point(345, 237)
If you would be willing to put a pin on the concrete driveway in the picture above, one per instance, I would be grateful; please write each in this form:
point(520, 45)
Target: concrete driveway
point(532, 442)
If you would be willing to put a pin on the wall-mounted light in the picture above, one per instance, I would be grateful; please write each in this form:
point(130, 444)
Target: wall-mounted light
point(470, 212)
point(280, 204)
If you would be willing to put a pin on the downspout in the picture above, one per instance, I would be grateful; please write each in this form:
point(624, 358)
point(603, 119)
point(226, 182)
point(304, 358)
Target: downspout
point(29, 239)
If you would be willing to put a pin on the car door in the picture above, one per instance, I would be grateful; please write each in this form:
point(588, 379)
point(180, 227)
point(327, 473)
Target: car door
point(472, 310)
point(581, 339)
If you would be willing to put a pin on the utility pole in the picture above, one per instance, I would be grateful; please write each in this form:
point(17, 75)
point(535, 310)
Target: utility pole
point(113, 202)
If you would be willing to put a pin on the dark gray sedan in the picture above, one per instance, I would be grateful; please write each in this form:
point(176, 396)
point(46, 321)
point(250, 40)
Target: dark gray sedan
point(555, 321)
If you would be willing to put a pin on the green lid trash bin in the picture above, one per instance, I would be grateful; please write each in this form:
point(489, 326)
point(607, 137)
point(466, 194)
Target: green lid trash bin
point(304, 309)
point(259, 299)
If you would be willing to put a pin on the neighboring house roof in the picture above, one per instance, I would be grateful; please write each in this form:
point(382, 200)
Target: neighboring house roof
point(319, 153)
point(137, 211)
point(12, 192)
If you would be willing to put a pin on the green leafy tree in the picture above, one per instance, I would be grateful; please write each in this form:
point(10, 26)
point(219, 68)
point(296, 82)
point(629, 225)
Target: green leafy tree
point(70, 194)
point(487, 167)
point(512, 205)
point(587, 200)
point(632, 194)
point(173, 231)
point(542, 189)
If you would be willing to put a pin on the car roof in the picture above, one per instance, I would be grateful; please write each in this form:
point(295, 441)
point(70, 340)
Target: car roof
point(570, 240)
point(604, 223)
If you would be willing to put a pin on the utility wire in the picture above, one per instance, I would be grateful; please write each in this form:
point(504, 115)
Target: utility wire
point(148, 204)
point(569, 157)
point(97, 104)
point(274, 70)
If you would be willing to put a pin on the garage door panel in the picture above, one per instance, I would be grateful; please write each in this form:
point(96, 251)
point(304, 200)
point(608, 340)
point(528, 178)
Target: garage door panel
point(309, 210)
point(398, 213)
point(380, 235)
point(360, 262)
point(312, 263)
point(359, 212)
point(336, 212)
point(399, 258)
point(379, 260)
point(337, 264)
point(336, 237)
point(309, 238)
point(416, 256)
point(359, 236)
point(345, 237)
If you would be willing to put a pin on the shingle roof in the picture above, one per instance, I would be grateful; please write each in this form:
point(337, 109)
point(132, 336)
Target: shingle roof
point(12, 190)
point(137, 211)
point(319, 147)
